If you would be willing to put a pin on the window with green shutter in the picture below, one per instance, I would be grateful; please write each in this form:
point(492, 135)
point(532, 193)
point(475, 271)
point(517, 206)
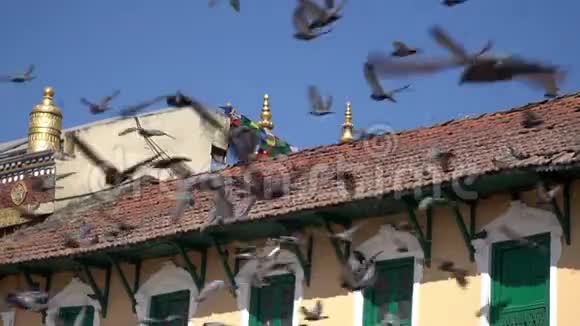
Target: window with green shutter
point(520, 289)
point(68, 315)
point(174, 303)
point(273, 305)
point(392, 293)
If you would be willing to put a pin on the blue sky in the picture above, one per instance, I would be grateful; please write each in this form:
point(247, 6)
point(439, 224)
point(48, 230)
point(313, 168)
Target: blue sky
point(147, 48)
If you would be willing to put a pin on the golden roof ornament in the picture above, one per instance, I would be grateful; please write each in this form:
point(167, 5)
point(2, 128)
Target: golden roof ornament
point(266, 115)
point(347, 126)
point(45, 125)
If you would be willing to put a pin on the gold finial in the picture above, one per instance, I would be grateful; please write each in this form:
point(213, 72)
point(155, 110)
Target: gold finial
point(45, 125)
point(266, 115)
point(347, 126)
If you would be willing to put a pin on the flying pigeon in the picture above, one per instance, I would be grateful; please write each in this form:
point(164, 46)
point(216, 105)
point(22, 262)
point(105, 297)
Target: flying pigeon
point(303, 30)
point(402, 50)
point(378, 93)
point(209, 289)
point(20, 77)
point(113, 176)
point(318, 106)
point(102, 105)
point(315, 314)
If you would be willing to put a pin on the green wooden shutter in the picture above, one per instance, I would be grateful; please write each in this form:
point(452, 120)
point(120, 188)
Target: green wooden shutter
point(520, 290)
point(273, 305)
point(68, 315)
point(175, 303)
point(393, 292)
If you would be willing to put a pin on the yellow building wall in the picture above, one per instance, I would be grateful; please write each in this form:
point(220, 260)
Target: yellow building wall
point(441, 301)
point(183, 124)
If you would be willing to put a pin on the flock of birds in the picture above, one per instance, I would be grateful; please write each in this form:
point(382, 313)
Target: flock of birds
point(358, 271)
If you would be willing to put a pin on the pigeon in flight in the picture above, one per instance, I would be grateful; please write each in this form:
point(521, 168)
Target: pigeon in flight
point(146, 133)
point(244, 143)
point(378, 93)
point(319, 107)
point(323, 17)
point(20, 77)
point(315, 314)
point(113, 176)
point(134, 109)
point(165, 321)
point(179, 100)
point(303, 30)
point(209, 289)
point(33, 300)
point(102, 105)
point(402, 50)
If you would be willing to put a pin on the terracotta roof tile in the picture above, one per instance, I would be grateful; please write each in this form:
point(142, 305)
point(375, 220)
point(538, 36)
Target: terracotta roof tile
point(384, 164)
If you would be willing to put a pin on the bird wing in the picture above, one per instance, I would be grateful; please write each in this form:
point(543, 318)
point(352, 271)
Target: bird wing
point(386, 67)
point(315, 99)
point(131, 110)
point(128, 131)
point(235, 4)
point(397, 90)
point(300, 21)
point(29, 70)
point(328, 104)
point(488, 46)
point(329, 4)
point(372, 80)
point(138, 165)
point(156, 132)
point(444, 40)
point(91, 155)
point(109, 98)
point(211, 288)
point(318, 308)
point(245, 142)
point(398, 45)
point(205, 114)
point(86, 102)
point(313, 9)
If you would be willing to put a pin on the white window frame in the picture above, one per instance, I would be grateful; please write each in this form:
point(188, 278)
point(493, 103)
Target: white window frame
point(383, 240)
point(75, 294)
point(170, 278)
point(244, 291)
point(526, 221)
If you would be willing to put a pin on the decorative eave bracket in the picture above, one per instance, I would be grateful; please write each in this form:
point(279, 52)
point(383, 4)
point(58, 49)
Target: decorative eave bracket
point(425, 238)
point(304, 259)
point(341, 248)
point(115, 262)
point(198, 277)
point(224, 255)
point(101, 295)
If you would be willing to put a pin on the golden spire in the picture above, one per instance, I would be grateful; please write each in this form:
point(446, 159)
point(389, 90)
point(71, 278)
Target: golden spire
point(45, 125)
point(266, 115)
point(347, 126)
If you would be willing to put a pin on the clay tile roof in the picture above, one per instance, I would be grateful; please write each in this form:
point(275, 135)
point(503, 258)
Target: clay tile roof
point(381, 165)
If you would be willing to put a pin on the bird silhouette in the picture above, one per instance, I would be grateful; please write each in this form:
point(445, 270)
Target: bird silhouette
point(318, 107)
point(113, 176)
point(20, 77)
point(402, 50)
point(102, 105)
point(378, 93)
point(303, 31)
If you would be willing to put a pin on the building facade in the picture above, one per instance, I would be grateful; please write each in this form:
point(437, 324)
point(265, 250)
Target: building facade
point(487, 185)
